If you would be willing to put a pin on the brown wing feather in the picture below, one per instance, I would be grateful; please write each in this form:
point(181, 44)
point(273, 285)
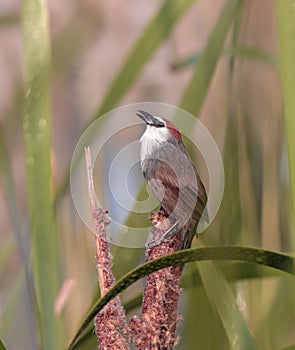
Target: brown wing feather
point(178, 191)
point(181, 196)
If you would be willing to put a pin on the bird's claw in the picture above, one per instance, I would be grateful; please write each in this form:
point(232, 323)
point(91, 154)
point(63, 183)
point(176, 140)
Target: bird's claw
point(167, 235)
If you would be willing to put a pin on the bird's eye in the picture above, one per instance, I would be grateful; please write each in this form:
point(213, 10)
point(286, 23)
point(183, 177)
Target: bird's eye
point(158, 124)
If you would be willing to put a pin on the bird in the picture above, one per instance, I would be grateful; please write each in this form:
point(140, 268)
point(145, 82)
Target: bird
point(172, 177)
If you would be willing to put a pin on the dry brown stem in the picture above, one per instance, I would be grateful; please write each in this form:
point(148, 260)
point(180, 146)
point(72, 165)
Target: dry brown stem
point(110, 323)
point(157, 327)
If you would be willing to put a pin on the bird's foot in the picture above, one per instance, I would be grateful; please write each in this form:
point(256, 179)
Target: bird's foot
point(172, 231)
point(162, 230)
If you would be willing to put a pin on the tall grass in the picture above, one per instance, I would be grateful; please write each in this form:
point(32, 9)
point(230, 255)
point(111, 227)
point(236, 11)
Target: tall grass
point(37, 135)
point(226, 304)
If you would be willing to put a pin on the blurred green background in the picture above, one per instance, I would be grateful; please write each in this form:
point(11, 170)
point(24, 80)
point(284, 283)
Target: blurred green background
point(63, 64)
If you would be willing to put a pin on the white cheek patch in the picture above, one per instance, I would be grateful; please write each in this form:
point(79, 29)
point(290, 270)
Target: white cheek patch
point(152, 133)
point(151, 139)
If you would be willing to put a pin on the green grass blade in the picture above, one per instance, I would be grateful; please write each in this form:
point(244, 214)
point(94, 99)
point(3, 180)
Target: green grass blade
point(237, 51)
point(286, 30)
point(252, 53)
point(2, 347)
point(276, 260)
point(154, 34)
point(223, 300)
point(233, 272)
point(187, 61)
point(37, 136)
point(203, 328)
point(196, 91)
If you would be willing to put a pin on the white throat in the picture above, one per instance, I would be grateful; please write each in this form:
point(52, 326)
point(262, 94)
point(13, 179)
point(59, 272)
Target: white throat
point(151, 139)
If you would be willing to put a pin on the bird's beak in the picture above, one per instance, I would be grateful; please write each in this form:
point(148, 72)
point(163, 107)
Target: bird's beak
point(150, 119)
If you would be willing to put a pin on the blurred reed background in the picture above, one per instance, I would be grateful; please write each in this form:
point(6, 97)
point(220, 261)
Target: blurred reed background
point(98, 55)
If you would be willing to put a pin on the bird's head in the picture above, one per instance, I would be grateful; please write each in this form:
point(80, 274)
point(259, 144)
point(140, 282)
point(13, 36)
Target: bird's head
point(158, 130)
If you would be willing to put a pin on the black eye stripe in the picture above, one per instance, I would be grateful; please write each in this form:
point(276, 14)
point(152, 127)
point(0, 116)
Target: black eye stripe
point(157, 123)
